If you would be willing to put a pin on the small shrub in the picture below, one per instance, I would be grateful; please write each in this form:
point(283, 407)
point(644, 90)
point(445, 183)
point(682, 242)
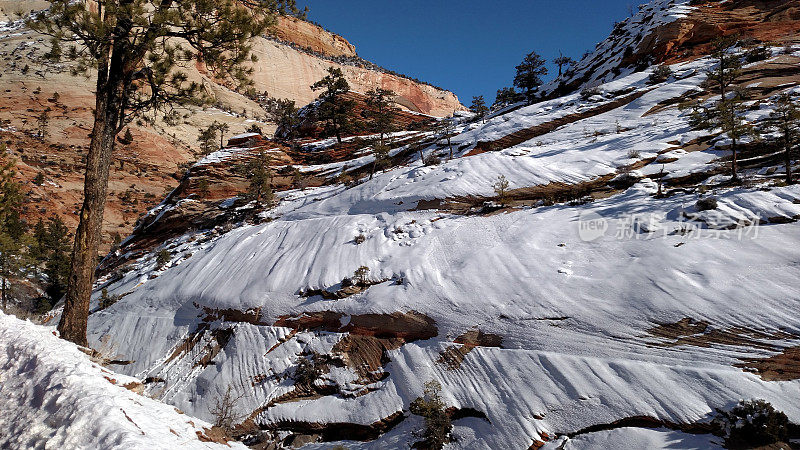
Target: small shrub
point(306, 372)
point(432, 160)
point(360, 239)
point(127, 138)
point(706, 204)
point(590, 92)
point(107, 300)
point(752, 423)
point(163, 258)
point(116, 241)
point(39, 179)
point(661, 74)
point(437, 423)
point(501, 189)
point(634, 154)
point(225, 410)
point(756, 54)
point(361, 276)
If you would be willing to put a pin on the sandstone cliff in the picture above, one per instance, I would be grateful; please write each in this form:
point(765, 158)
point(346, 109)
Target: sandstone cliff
point(294, 56)
point(301, 53)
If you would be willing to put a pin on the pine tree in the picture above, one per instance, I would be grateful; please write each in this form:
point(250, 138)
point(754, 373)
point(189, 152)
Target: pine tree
point(42, 124)
point(57, 263)
point(10, 257)
point(445, 128)
point(334, 109)
point(505, 97)
point(259, 174)
point(135, 46)
point(529, 74)
point(381, 112)
point(729, 65)
point(501, 189)
point(729, 116)
point(222, 128)
point(285, 115)
point(55, 50)
point(785, 119)
point(127, 138)
point(562, 62)
point(207, 139)
point(381, 154)
point(38, 247)
point(12, 229)
point(10, 202)
point(478, 107)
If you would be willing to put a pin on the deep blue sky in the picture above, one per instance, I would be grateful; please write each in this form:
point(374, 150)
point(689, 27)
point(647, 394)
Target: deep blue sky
point(468, 46)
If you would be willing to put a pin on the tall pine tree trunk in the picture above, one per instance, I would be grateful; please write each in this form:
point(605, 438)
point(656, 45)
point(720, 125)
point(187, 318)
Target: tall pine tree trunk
point(109, 103)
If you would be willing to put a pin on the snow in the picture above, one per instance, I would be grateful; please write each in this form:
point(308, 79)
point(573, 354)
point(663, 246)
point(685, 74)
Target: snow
point(53, 396)
point(574, 312)
point(244, 136)
point(633, 438)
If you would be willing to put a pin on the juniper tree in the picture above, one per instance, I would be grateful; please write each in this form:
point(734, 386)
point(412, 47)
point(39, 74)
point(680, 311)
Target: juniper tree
point(137, 48)
point(478, 107)
point(254, 128)
point(381, 112)
point(333, 108)
point(529, 74)
point(785, 119)
point(116, 241)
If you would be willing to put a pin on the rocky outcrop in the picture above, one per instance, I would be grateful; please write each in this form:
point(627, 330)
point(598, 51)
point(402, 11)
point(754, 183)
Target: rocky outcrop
point(313, 37)
point(691, 37)
point(665, 32)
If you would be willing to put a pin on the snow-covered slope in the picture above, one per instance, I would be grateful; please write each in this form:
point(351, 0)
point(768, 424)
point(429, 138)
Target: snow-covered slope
point(614, 57)
point(653, 316)
point(53, 396)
